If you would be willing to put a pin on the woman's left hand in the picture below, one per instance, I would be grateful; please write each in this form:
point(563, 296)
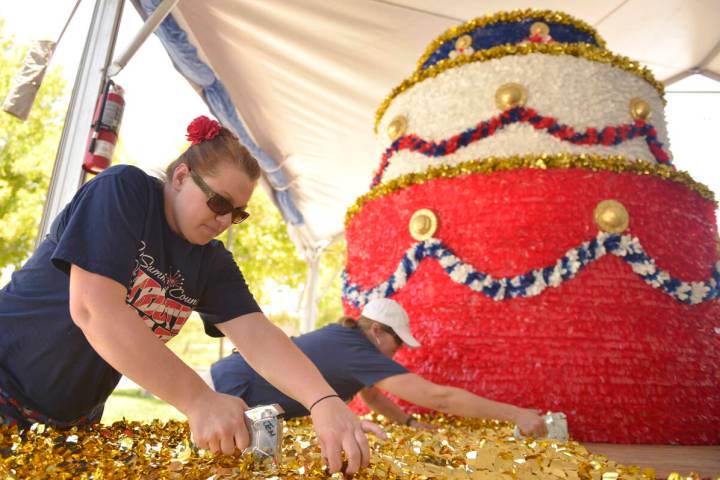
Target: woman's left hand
point(530, 422)
point(340, 430)
point(414, 423)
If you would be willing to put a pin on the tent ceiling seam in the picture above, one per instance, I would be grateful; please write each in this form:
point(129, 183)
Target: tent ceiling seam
point(419, 10)
point(610, 13)
point(710, 56)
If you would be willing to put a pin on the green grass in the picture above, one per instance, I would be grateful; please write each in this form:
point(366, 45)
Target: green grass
point(194, 347)
point(137, 405)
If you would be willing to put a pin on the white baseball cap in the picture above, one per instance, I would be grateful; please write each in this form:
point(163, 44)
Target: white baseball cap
point(390, 313)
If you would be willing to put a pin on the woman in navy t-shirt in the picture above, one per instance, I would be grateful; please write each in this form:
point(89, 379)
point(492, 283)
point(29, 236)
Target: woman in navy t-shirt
point(122, 268)
point(355, 357)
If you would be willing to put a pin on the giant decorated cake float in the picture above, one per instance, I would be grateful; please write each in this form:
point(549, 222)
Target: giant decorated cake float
point(527, 214)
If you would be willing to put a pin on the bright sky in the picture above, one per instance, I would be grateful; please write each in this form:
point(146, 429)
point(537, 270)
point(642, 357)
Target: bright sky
point(160, 103)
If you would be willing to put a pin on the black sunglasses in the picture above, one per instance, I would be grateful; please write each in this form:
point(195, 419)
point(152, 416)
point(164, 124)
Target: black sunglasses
point(395, 336)
point(217, 203)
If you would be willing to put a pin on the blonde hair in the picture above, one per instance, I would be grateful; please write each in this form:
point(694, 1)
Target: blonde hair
point(206, 155)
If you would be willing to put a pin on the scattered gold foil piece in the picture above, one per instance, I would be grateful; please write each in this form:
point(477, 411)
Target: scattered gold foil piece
point(458, 449)
point(489, 165)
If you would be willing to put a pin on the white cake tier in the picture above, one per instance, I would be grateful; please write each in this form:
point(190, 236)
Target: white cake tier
point(574, 91)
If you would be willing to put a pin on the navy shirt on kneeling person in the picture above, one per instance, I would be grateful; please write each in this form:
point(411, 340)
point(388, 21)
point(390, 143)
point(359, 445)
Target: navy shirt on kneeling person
point(344, 356)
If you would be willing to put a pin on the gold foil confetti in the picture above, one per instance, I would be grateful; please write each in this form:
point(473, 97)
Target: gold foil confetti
point(458, 449)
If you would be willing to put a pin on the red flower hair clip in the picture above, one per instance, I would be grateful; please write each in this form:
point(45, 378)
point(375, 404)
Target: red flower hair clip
point(201, 129)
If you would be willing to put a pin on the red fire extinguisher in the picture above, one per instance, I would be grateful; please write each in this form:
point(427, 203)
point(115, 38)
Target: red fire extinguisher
point(106, 125)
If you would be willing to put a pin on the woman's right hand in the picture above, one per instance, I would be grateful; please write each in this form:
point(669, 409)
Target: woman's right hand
point(339, 430)
point(217, 423)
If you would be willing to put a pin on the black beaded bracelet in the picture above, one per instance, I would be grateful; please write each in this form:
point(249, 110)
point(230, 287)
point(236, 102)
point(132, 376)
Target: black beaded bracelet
point(321, 399)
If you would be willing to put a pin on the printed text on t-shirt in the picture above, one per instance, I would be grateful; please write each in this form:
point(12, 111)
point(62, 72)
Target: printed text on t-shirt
point(159, 297)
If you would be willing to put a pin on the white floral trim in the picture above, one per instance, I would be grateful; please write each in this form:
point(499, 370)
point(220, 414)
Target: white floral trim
point(593, 95)
point(536, 281)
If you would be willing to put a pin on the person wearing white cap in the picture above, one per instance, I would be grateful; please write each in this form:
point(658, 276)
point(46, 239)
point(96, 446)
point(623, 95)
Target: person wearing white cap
point(355, 357)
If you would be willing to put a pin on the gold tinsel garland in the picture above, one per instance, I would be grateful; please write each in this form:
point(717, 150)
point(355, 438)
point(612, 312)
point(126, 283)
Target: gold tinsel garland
point(488, 165)
point(458, 449)
point(581, 50)
point(508, 17)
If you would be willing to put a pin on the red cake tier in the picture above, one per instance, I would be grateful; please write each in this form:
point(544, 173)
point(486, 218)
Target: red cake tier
point(627, 362)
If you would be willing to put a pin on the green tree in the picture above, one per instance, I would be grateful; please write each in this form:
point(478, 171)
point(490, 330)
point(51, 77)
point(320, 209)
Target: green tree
point(27, 154)
point(263, 249)
point(266, 255)
point(329, 301)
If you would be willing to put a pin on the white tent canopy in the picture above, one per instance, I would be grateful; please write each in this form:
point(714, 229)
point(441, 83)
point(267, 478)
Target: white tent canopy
point(306, 76)
point(300, 81)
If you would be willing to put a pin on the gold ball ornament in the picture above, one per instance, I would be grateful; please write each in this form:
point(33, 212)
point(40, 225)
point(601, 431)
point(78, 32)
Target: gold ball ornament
point(540, 28)
point(510, 95)
point(611, 216)
point(397, 127)
point(463, 42)
point(423, 224)
point(640, 109)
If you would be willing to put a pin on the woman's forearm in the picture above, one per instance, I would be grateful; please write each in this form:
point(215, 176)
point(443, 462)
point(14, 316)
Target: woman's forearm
point(457, 401)
point(122, 339)
point(383, 405)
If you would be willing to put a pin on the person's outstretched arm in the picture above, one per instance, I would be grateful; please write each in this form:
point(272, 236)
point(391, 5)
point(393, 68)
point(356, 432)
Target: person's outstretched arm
point(456, 401)
point(379, 403)
point(121, 338)
point(271, 353)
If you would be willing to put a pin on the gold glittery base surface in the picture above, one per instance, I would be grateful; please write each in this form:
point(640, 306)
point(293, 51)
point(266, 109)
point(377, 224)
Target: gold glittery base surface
point(458, 449)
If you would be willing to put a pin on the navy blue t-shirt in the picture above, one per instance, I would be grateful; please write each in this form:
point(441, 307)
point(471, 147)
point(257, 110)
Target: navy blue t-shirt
point(114, 226)
point(344, 356)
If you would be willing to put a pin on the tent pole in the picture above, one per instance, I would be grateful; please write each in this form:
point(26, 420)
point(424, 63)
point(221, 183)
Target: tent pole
point(67, 175)
point(710, 75)
point(152, 22)
point(312, 257)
